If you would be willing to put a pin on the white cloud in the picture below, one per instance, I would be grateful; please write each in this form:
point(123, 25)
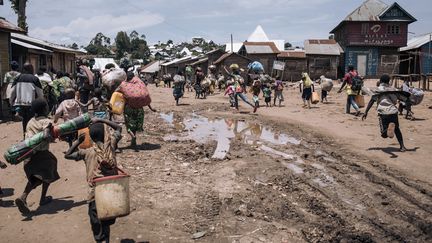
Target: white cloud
point(82, 30)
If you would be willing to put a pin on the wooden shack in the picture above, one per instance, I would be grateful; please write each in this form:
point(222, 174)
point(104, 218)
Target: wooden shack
point(6, 28)
point(295, 63)
point(416, 57)
point(228, 59)
point(214, 55)
point(264, 52)
point(323, 58)
point(371, 36)
point(41, 53)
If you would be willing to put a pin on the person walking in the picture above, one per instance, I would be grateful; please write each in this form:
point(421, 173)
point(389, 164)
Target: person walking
point(85, 79)
point(25, 89)
point(351, 83)
point(178, 86)
point(6, 86)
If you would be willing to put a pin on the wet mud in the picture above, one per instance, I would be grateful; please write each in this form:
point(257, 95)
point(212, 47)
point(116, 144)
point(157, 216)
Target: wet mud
point(242, 179)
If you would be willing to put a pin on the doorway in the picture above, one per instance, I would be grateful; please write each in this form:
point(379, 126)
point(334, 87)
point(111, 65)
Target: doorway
point(361, 64)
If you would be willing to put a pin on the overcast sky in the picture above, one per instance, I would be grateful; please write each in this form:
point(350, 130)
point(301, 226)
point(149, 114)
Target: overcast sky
point(65, 22)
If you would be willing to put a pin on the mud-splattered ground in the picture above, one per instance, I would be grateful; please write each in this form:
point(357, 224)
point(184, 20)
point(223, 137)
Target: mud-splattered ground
point(276, 183)
point(204, 174)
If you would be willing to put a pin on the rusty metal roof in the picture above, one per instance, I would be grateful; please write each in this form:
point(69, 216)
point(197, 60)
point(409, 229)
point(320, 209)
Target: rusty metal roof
point(9, 27)
point(370, 10)
point(226, 55)
point(322, 47)
point(292, 54)
point(261, 48)
point(44, 44)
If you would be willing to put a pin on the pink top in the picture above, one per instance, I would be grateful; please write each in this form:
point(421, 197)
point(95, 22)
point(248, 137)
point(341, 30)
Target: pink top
point(70, 109)
point(229, 90)
point(349, 75)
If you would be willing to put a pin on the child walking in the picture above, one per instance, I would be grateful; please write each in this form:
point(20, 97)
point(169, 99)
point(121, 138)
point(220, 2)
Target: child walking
point(99, 103)
point(256, 90)
point(69, 109)
point(100, 161)
point(230, 91)
point(279, 87)
point(267, 95)
point(41, 168)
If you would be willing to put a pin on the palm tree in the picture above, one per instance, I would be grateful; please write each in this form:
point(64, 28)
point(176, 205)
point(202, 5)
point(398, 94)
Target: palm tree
point(19, 6)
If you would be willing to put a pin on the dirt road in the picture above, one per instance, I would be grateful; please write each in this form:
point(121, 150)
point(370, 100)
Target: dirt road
point(287, 175)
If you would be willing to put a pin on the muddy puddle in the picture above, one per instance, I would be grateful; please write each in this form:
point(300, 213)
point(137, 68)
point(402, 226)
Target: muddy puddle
point(203, 130)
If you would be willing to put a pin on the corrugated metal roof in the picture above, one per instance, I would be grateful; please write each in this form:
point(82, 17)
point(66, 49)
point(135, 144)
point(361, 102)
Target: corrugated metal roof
point(176, 61)
point(152, 67)
point(6, 25)
point(322, 47)
point(226, 55)
point(417, 42)
point(29, 46)
point(292, 54)
point(46, 44)
point(370, 10)
point(261, 48)
point(236, 47)
point(202, 60)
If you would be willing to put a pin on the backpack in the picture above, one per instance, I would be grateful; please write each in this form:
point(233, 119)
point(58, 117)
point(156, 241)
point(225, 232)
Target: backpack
point(356, 82)
point(135, 93)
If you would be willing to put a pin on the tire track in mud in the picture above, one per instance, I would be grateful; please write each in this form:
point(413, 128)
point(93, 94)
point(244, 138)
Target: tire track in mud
point(338, 197)
point(412, 201)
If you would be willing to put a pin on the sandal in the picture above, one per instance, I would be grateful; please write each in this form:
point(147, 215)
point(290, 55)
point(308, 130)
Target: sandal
point(22, 206)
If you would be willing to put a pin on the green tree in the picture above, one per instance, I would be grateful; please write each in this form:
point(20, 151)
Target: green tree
point(123, 44)
point(99, 46)
point(74, 46)
point(138, 47)
point(287, 45)
point(19, 7)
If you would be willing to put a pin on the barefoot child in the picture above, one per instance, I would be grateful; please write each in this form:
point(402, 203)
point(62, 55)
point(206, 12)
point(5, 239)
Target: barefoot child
point(278, 87)
point(256, 90)
point(69, 109)
point(100, 161)
point(41, 168)
point(230, 91)
point(267, 95)
point(100, 108)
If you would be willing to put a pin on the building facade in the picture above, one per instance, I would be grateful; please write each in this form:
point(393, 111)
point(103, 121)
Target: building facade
point(371, 36)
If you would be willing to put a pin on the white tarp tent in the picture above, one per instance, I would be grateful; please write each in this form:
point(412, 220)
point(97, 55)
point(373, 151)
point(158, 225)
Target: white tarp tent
point(101, 62)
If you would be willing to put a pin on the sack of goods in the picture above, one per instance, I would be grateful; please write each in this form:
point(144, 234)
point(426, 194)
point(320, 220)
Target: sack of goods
point(234, 66)
point(327, 85)
point(416, 96)
point(113, 78)
point(315, 98)
point(257, 67)
point(206, 83)
point(135, 93)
